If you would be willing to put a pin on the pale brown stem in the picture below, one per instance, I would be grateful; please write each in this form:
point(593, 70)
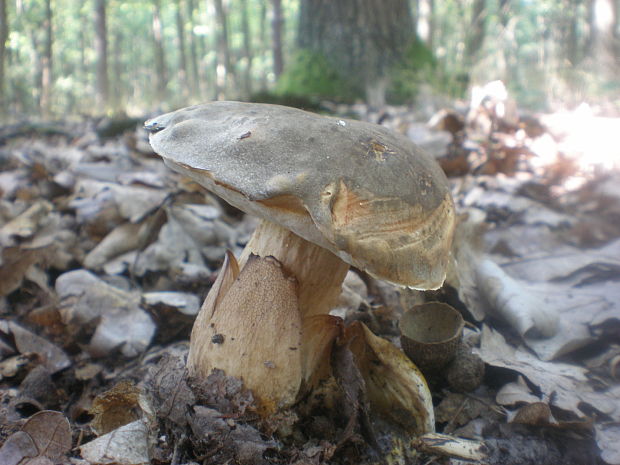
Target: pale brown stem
point(319, 273)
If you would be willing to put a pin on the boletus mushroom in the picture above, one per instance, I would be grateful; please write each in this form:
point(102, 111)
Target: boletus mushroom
point(330, 193)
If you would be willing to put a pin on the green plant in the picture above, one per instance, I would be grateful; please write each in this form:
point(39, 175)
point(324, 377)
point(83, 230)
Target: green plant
point(310, 75)
point(416, 67)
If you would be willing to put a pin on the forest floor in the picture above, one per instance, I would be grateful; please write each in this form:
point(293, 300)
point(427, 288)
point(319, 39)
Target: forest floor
point(106, 256)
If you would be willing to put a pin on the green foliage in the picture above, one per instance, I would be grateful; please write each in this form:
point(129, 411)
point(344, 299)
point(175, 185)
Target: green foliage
point(310, 75)
point(417, 67)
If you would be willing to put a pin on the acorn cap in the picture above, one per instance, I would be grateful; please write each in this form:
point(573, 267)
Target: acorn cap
point(370, 196)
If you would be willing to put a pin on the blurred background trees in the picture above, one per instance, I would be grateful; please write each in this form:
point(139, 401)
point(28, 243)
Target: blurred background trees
point(63, 57)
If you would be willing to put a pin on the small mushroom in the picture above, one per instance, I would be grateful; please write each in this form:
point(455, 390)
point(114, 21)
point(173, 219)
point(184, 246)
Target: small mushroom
point(329, 195)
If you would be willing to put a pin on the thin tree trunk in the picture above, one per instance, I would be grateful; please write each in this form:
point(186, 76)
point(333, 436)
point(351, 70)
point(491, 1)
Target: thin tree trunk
point(118, 84)
point(4, 34)
point(193, 54)
point(183, 74)
point(277, 24)
point(101, 49)
point(602, 46)
point(425, 24)
point(46, 63)
point(477, 28)
point(160, 58)
point(224, 68)
point(247, 48)
point(264, 40)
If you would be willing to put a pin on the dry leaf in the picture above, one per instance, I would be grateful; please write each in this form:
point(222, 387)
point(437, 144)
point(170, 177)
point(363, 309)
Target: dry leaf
point(527, 313)
point(607, 438)
point(185, 303)
point(115, 408)
point(87, 300)
point(170, 393)
point(52, 357)
point(127, 445)
point(50, 432)
point(17, 447)
point(236, 442)
point(395, 386)
point(515, 392)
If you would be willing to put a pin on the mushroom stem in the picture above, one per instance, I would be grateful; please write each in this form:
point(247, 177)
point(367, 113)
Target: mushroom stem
point(319, 273)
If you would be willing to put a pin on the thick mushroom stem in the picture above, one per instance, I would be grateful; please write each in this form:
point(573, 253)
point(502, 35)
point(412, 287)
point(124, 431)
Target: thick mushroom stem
point(319, 273)
point(265, 321)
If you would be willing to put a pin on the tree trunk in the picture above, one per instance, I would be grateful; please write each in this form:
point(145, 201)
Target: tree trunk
point(477, 28)
point(160, 57)
point(182, 72)
point(602, 44)
point(264, 39)
point(4, 34)
point(277, 23)
point(247, 48)
point(224, 71)
point(118, 84)
point(101, 49)
point(425, 23)
point(361, 39)
point(194, 81)
point(46, 63)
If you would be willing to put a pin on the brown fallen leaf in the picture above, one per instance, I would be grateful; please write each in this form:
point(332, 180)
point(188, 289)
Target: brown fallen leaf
point(51, 433)
point(115, 408)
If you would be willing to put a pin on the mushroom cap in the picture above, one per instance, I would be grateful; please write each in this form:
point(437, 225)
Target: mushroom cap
point(368, 195)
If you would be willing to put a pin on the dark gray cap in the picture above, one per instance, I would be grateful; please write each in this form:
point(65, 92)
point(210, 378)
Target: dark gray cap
point(370, 196)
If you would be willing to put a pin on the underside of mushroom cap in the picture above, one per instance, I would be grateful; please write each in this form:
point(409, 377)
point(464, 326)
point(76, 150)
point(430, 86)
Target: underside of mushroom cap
point(369, 195)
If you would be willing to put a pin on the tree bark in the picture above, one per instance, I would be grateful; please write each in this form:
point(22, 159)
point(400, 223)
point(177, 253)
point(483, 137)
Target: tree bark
point(101, 49)
point(477, 28)
point(4, 34)
point(277, 24)
point(602, 44)
point(425, 23)
point(247, 48)
point(46, 62)
point(160, 57)
point(194, 80)
point(361, 39)
point(224, 71)
point(182, 72)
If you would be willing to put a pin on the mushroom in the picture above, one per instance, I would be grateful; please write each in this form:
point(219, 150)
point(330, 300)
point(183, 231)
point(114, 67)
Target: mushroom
point(330, 193)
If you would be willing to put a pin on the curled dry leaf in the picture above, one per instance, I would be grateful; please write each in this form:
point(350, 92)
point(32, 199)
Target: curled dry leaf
point(486, 288)
point(123, 238)
point(395, 386)
point(26, 224)
point(26, 342)
point(513, 301)
point(115, 407)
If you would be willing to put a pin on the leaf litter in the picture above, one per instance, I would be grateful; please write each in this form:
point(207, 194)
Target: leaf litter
point(106, 256)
